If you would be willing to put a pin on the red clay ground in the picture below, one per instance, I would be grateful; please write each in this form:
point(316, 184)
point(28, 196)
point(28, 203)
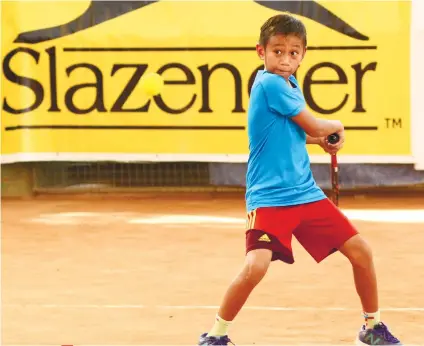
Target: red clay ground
point(99, 280)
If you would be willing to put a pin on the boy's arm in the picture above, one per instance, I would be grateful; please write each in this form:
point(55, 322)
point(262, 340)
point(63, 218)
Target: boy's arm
point(282, 100)
point(315, 127)
point(312, 140)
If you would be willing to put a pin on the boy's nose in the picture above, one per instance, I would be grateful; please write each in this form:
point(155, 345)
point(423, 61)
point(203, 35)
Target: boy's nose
point(284, 60)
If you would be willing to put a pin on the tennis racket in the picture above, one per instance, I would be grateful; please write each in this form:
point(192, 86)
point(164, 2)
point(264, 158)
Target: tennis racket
point(333, 139)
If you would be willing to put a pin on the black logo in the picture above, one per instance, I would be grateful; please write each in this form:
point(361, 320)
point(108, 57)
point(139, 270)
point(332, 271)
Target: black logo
point(55, 95)
point(102, 11)
point(98, 12)
point(316, 12)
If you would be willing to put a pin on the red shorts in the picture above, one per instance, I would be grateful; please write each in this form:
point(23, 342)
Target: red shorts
point(320, 227)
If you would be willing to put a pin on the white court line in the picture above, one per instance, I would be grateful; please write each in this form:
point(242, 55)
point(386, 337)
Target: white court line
point(201, 307)
point(178, 220)
point(75, 306)
point(280, 308)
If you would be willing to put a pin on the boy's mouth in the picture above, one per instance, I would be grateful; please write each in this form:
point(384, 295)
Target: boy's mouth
point(284, 71)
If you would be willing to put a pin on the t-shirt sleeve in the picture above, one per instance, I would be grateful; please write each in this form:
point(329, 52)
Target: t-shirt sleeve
point(281, 98)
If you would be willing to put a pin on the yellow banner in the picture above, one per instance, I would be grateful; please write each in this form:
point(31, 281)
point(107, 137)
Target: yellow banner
point(71, 73)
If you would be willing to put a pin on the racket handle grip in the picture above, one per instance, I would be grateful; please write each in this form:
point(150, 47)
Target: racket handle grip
point(333, 138)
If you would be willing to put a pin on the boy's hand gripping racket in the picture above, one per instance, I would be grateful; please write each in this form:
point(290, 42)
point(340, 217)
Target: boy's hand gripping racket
point(333, 139)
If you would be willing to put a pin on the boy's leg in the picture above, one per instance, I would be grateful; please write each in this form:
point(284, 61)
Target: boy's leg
point(359, 254)
point(254, 269)
point(373, 332)
point(265, 241)
point(324, 230)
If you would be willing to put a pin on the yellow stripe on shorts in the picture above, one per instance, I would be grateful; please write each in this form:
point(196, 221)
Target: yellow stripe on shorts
point(251, 218)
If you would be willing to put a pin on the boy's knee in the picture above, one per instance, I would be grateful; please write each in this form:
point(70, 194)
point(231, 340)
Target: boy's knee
point(256, 267)
point(359, 253)
point(362, 258)
point(255, 272)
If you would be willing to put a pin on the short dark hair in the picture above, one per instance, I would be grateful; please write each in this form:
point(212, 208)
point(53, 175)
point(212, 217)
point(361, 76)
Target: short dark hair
point(284, 24)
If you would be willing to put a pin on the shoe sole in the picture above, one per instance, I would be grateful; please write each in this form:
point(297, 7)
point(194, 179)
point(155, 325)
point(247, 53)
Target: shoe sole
point(360, 343)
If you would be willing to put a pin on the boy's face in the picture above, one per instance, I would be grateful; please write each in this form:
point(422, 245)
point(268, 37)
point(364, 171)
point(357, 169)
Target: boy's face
point(282, 55)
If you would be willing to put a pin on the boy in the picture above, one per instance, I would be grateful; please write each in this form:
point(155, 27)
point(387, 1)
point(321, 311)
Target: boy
point(281, 195)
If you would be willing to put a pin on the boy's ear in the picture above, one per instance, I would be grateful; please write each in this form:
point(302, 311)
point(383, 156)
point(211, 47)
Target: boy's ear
point(260, 50)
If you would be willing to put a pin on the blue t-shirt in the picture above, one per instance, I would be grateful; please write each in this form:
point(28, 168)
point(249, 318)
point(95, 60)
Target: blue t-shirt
point(278, 169)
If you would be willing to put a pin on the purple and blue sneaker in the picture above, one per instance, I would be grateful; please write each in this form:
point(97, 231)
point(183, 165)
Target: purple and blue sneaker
point(206, 340)
point(379, 335)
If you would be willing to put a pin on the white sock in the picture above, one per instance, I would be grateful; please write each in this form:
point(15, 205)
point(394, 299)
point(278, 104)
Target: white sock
point(220, 328)
point(371, 319)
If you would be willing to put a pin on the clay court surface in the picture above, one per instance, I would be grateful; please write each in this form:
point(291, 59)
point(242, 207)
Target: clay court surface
point(151, 270)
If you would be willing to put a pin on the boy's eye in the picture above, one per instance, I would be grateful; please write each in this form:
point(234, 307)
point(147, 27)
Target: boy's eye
point(294, 53)
point(278, 52)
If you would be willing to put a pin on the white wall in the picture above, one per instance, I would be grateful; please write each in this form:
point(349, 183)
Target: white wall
point(417, 82)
